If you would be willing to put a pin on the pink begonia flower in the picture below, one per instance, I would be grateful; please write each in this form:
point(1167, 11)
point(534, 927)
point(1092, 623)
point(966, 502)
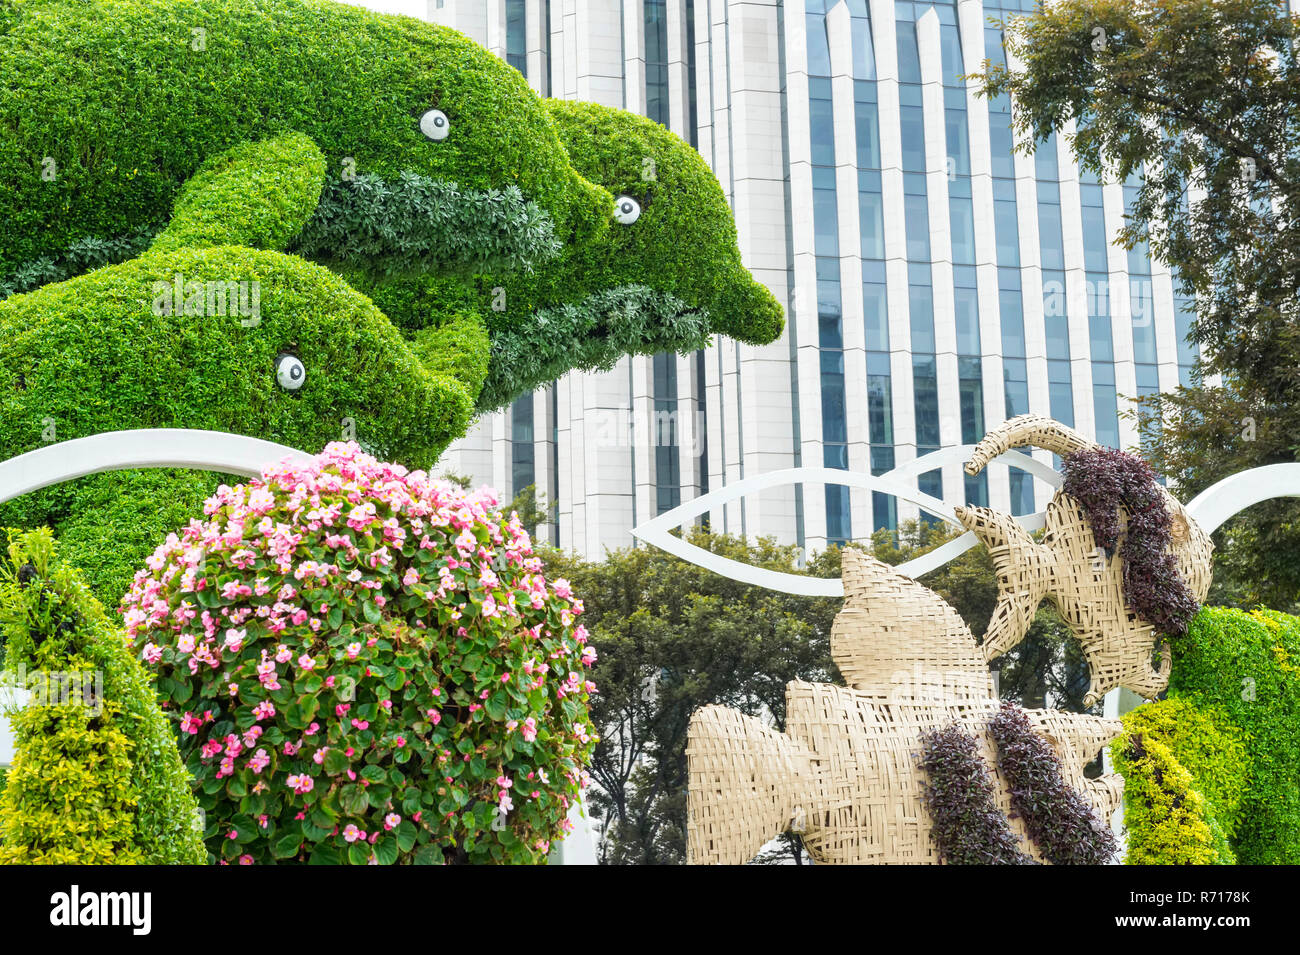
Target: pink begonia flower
point(434, 716)
point(341, 709)
point(258, 762)
point(529, 731)
point(152, 653)
point(301, 783)
point(400, 741)
point(504, 802)
point(245, 859)
point(312, 729)
point(562, 589)
point(353, 650)
point(264, 710)
point(391, 820)
point(351, 833)
point(283, 654)
point(264, 820)
point(306, 662)
point(319, 756)
point(235, 639)
point(191, 724)
point(185, 643)
point(361, 724)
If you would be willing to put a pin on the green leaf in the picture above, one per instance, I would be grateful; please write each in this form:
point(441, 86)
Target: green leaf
point(406, 834)
point(287, 847)
point(385, 849)
point(359, 853)
point(429, 855)
point(336, 762)
point(353, 800)
point(325, 854)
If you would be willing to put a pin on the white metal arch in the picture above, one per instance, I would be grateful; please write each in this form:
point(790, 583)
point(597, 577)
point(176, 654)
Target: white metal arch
point(658, 531)
point(141, 448)
point(1234, 494)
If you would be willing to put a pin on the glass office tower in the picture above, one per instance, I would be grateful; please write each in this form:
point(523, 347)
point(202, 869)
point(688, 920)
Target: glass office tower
point(937, 282)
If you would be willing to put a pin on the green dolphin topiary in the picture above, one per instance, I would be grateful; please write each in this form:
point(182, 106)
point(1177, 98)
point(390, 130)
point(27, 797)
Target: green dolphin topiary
point(410, 162)
point(667, 277)
point(196, 335)
point(97, 777)
point(107, 107)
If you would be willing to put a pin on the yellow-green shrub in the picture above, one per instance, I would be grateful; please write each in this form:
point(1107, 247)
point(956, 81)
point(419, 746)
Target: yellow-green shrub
point(1205, 744)
point(1168, 821)
point(89, 783)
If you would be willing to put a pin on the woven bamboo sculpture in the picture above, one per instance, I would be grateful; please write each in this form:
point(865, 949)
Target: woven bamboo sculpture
point(845, 772)
point(1067, 568)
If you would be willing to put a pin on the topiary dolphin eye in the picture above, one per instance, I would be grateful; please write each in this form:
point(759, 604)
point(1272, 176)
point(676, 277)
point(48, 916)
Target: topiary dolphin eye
point(290, 372)
point(626, 210)
point(435, 124)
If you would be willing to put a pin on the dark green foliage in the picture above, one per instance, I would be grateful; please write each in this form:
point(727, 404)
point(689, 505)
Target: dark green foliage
point(413, 223)
point(1103, 480)
point(1245, 668)
point(254, 194)
point(82, 256)
point(592, 334)
point(96, 779)
point(1058, 819)
point(966, 823)
point(117, 95)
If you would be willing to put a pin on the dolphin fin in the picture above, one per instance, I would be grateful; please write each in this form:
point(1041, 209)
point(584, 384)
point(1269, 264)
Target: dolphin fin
point(1025, 570)
point(748, 784)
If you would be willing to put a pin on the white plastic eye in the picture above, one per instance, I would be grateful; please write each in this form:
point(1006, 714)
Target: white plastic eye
point(290, 373)
point(626, 210)
point(435, 124)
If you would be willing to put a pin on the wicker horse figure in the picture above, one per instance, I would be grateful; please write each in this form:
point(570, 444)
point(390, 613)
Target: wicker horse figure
point(1086, 585)
point(845, 772)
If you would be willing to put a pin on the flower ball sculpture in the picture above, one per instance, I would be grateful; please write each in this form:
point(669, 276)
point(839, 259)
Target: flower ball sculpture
point(368, 665)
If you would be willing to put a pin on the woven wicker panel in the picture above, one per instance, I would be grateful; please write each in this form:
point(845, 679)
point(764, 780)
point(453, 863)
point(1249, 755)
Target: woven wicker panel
point(895, 639)
point(845, 772)
point(1068, 569)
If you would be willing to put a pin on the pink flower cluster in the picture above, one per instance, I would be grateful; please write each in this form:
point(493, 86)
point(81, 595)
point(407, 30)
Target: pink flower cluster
point(346, 627)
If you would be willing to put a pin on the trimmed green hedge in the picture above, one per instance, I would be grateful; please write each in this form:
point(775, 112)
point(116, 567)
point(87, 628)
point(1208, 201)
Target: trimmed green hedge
point(94, 781)
point(255, 194)
point(129, 101)
point(667, 282)
point(91, 355)
point(1244, 668)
